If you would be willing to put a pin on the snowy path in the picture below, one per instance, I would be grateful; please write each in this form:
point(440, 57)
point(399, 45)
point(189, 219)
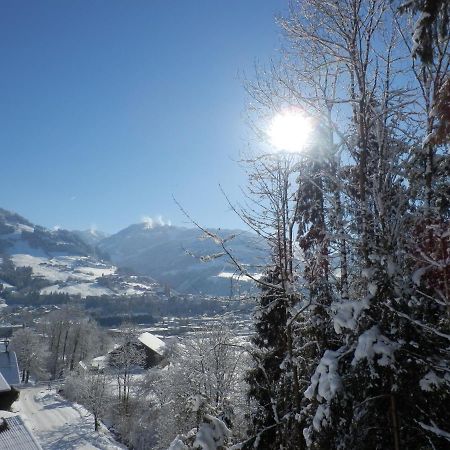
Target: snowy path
point(59, 424)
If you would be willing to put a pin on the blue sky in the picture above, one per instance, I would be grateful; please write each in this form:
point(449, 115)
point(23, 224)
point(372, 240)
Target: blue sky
point(108, 107)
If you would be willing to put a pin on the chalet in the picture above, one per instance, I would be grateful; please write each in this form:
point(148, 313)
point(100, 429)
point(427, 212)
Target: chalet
point(9, 367)
point(152, 347)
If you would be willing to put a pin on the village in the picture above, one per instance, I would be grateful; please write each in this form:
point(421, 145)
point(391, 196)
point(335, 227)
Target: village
point(32, 407)
point(70, 384)
point(91, 403)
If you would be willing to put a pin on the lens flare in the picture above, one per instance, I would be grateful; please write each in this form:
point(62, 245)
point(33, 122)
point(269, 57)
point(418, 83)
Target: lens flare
point(289, 131)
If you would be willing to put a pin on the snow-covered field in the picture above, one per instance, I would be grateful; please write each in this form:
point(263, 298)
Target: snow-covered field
point(77, 275)
point(82, 289)
point(59, 268)
point(59, 424)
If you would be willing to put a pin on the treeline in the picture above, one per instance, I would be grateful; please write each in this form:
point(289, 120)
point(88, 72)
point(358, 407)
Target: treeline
point(112, 310)
point(57, 342)
point(35, 298)
point(20, 277)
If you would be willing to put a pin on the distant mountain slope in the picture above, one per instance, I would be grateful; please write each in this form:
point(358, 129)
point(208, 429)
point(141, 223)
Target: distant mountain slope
point(18, 235)
point(172, 254)
point(58, 261)
point(91, 237)
point(76, 262)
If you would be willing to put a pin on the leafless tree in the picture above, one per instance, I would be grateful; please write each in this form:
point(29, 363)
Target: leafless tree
point(124, 360)
point(31, 353)
point(205, 376)
point(89, 388)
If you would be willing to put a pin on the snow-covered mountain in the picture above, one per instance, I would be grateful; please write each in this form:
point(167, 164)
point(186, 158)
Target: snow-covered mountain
point(87, 262)
point(175, 256)
point(59, 261)
point(18, 235)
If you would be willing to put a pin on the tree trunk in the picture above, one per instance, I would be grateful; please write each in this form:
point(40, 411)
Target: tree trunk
point(342, 246)
point(394, 418)
point(75, 345)
point(56, 355)
point(119, 385)
point(64, 346)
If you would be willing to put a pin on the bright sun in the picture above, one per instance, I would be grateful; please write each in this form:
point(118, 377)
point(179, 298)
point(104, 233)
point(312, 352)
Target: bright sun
point(289, 131)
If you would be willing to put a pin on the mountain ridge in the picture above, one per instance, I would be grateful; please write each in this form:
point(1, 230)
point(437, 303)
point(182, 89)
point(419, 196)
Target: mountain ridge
point(174, 255)
point(168, 255)
point(36, 259)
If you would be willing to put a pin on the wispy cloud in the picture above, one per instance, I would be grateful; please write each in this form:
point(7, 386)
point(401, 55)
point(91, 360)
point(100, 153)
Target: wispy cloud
point(151, 222)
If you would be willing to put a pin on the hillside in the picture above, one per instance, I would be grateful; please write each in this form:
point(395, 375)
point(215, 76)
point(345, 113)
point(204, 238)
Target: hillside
point(175, 256)
point(141, 258)
point(34, 258)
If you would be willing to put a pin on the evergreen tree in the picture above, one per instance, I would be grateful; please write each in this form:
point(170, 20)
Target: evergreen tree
point(266, 377)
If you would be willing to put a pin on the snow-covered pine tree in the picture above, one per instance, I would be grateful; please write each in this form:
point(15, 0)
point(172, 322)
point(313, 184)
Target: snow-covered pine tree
point(393, 370)
point(431, 26)
point(319, 238)
point(266, 378)
point(375, 381)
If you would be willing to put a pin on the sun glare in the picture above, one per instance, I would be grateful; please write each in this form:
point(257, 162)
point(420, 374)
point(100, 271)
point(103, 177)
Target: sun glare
point(289, 131)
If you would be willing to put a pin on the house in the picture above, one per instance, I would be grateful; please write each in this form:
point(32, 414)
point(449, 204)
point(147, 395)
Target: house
point(4, 385)
point(152, 347)
point(14, 434)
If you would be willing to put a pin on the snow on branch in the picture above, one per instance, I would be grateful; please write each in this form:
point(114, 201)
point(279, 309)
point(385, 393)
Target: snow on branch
point(435, 430)
point(326, 381)
point(346, 313)
point(373, 344)
point(221, 242)
point(432, 381)
point(212, 434)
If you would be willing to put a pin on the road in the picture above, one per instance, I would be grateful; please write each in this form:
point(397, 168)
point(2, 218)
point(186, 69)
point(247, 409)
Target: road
point(59, 424)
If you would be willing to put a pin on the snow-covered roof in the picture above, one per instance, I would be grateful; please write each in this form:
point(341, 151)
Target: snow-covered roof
point(152, 342)
point(16, 435)
point(9, 368)
point(4, 385)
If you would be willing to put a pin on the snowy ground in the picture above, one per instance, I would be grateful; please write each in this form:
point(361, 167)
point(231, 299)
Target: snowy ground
point(77, 275)
point(59, 424)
